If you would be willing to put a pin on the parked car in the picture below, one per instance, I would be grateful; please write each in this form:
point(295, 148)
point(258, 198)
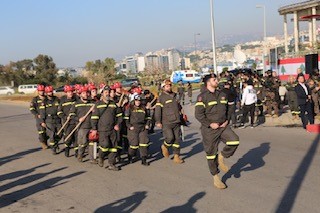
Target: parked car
point(6, 91)
point(129, 82)
point(27, 89)
point(59, 89)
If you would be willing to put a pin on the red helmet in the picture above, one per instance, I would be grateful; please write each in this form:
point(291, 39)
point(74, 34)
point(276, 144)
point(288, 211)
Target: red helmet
point(68, 88)
point(48, 89)
point(117, 85)
point(40, 87)
point(92, 87)
point(102, 85)
point(77, 86)
point(136, 90)
point(83, 89)
point(93, 137)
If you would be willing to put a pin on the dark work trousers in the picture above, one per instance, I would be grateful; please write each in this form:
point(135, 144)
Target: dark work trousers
point(108, 145)
point(232, 113)
point(67, 130)
point(211, 139)
point(246, 109)
point(303, 109)
point(52, 129)
point(82, 141)
point(172, 137)
point(138, 139)
point(41, 132)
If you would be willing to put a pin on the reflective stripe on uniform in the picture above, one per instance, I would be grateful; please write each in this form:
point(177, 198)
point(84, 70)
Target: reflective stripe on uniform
point(51, 143)
point(139, 110)
point(67, 103)
point(176, 145)
point(126, 118)
point(31, 108)
point(223, 102)
point(165, 143)
point(200, 104)
point(119, 115)
point(94, 117)
point(103, 149)
point(159, 104)
point(59, 113)
point(168, 101)
point(113, 150)
point(232, 142)
point(42, 107)
point(134, 147)
point(211, 103)
point(144, 145)
point(119, 147)
point(41, 132)
point(91, 143)
point(211, 157)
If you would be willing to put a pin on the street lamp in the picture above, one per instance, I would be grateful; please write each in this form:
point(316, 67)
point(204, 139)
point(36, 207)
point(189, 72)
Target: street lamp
point(195, 43)
point(264, 34)
point(213, 39)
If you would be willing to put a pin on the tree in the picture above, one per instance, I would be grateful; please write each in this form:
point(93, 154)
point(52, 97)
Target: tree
point(283, 70)
point(101, 70)
point(45, 69)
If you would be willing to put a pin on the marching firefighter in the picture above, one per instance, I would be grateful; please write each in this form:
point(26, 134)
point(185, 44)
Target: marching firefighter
point(292, 97)
point(138, 122)
point(81, 112)
point(211, 112)
point(272, 95)
point(94, 96)
point(35, 105)
point(50, 119)
point(105, 120)
point(181, 91)
point(168, 117)
point(149, 101)
point(66, 102)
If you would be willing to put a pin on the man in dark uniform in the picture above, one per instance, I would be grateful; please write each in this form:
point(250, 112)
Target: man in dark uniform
point(168, 117)
point(292, 97)
point(49, 118)
point(105, 119)
point(66, 102)
point(211, 112)
point(35, 105)
point(181, 91)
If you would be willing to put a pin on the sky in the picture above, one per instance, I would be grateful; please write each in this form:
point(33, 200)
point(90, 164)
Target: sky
point(73, 32)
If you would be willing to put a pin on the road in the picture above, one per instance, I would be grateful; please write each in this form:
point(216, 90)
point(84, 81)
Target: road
point(274, 170)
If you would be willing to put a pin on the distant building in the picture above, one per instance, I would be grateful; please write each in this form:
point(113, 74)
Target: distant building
point(174, 59)
point(131, 64)
point(141, 64)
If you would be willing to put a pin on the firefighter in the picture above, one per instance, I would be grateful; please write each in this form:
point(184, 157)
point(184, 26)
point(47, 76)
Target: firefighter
point(49, 118)
point(149, 101)
point(94, 96)
point(81, 113)
point(105, 120)
point(292, 97)
point(168, 117)
point(272, 95)
point(66, 102)
point(211, 112)
point(35, 105)
point(138, 122)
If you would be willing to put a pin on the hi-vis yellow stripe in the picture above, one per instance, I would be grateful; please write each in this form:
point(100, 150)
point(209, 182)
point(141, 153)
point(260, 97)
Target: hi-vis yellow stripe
point(81, 105)
point(95, 117)
point(211, 103)
point(200, 104)
point(223, 102)
point(232, 143)
point(168, 101)
point(159, 104)
point(211, 157)
point(67, 103)
point(139, 110)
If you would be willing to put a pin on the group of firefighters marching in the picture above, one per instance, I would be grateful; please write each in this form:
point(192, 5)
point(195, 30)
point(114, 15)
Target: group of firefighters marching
point(117, 120)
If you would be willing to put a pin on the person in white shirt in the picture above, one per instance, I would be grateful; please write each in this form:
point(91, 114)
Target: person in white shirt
point(248, 101)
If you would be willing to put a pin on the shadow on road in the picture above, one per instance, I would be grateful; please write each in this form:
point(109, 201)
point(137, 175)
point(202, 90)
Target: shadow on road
point(252, 160)
point(16, 156)
point(16, 174)
point(28, 179)
point(188, 207)
point(15, 118)
point(127, 204)
point(287, 201)
point(8, 199)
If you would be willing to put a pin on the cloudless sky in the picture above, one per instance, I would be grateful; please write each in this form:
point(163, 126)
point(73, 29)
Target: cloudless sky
point(76, 31)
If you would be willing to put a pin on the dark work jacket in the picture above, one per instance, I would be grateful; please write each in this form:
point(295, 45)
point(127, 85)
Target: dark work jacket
point(80, 109)
point(137, 117)
point(168, 109)
point(301, 94)
point(105, 116)
point(49, 113)
point(211, 108)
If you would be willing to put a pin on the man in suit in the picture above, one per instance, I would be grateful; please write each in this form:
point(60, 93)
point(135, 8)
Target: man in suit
point(304, 101)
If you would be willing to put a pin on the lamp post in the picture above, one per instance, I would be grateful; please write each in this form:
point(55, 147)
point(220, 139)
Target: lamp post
point(195, 42)
point(264, 34)
point(213, 39)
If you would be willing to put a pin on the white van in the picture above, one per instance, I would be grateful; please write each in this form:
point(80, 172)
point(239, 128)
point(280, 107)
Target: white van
point(27, 89)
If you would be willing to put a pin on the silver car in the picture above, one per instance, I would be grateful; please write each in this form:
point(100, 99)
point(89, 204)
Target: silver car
point(6, 91)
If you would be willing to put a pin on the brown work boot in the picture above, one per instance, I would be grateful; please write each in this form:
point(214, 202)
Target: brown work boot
point(221, 163)
point(177, 159)
point(165, 151)
point(218, 183)
point(44, 145)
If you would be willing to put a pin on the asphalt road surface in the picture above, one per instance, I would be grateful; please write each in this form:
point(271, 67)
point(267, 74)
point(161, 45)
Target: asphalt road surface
point(273, 170)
